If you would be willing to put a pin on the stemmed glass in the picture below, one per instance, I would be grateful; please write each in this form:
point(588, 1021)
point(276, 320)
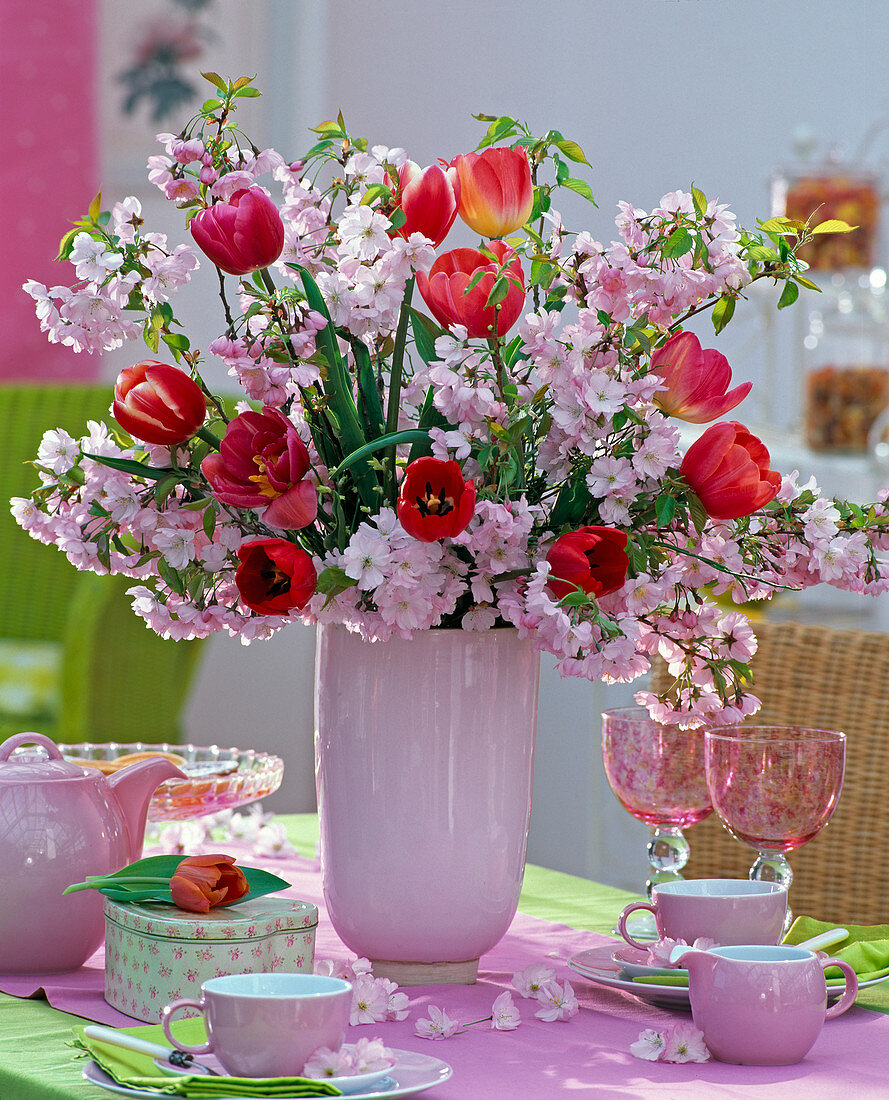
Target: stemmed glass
point(656, 772)
point(774, 788)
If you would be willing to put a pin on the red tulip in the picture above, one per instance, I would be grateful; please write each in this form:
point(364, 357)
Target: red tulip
point(200, 882)
point(262, 462)
point(241, 235)
point(158, 403)
point(728, 468)
point(444, 290)
point(591, 558)
point(435, 502)
point(496, 193)
point(274, 576)
point(697, 380)
point(428, 197)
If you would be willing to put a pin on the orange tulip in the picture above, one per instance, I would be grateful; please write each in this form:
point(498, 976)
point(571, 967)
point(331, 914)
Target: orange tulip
point(728, 468)
point(200, 882)
point(496, 193)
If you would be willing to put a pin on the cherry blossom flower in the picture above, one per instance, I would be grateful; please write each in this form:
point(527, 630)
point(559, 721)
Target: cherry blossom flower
point(325, 1062)
point(684, 1043)
point(557, 1002)
point(530, 981)
point(506, 1016)
point(650, 1045)
point(438, 1025)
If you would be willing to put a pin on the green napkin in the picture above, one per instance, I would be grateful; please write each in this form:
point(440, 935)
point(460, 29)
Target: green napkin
point(866, 949)
point(139, 1071)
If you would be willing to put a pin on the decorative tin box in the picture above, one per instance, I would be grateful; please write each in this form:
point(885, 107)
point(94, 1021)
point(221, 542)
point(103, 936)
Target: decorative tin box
point(155, 954)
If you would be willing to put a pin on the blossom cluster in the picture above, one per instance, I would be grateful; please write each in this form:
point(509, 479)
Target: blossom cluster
point(680, 1043)
point(505, 451)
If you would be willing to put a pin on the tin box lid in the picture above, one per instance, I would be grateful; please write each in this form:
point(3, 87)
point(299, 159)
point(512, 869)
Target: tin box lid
point(248, 920)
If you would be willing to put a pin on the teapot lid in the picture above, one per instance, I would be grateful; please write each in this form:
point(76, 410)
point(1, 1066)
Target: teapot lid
point(41, 761)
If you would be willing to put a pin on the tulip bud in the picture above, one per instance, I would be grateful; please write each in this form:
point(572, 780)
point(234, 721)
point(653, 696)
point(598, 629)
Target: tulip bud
point(696, 380)
point(444, 290)
point(592, 559)
point(428, 197)
point(435, 502)
point(241, 235)
point(728, 468)
point(201, 882)
point(158, 403)
point(496, 192)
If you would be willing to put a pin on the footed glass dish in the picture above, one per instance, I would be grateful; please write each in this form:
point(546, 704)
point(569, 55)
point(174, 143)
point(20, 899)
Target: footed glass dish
point(216, 778)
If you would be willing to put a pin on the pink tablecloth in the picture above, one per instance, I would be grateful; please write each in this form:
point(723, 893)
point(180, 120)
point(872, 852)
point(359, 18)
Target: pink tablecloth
point(541, 1060)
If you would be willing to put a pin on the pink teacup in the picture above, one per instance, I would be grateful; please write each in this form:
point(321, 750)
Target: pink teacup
point(761, 1005)
point(725, 910)
point(267, 1025)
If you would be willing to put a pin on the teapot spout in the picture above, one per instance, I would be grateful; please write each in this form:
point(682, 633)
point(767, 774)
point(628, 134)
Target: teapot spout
point(132, 788)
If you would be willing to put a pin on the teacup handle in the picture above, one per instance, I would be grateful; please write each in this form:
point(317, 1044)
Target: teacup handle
point(167, 1020)
point(622, 923)
point(851, 987)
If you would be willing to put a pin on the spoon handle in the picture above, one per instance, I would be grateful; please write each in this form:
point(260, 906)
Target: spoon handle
point(825, 939)
point(142, 1046)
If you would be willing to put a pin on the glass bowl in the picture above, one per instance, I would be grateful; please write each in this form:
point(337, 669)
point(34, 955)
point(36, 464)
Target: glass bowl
point(217, 778)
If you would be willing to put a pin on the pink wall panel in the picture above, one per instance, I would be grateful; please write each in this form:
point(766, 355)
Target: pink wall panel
point(49, 171)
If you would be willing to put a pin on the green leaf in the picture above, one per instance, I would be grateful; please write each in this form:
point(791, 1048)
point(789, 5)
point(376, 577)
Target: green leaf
point(215, 79)
point(246, 93)
point(209, 521)
point(678, 243)
point(579, 187)
point(408, 435)
point(95, 207)
point(761, 252)
point(499, 291)
point(789, 295)
point(722, 312)
point(571, 150)
point(807, 283)
point(171, 577)
point(130, 466)
point(375, 191)
point(426, 332)
point(699, 199)
point(783, 226)
point(833, 225)
point(163, 489)
point(665, 509)
point(397, 218)
point(697, 512)
point(333, 580)
point(209, 106)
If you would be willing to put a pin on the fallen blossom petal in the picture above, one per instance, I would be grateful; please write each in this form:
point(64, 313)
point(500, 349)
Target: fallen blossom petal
point(648, 1046)
point(557, 1002)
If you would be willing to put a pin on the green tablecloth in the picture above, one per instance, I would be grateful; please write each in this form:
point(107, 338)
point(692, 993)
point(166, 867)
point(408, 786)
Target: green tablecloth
point(33, 1035)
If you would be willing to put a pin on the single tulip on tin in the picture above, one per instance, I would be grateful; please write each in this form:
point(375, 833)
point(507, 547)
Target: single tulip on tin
point(241, 235)
point(444, 290)
point(496, 191)
point(202, 882)
point(435, 502)
point(428, 197)
point(728, 468)
point(275, 576)
point(157, 403)
point(592, 559)
point(697, 380)
point(262, 463)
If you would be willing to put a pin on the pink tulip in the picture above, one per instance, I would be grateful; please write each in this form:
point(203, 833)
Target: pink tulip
point(496, 193)
point(728, 468)
point(428, 197)
point(444, 290)
point(241, 235)
point(262, 463)
point(697, 380)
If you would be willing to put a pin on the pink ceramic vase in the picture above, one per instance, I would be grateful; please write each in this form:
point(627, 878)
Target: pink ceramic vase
point(424, 767)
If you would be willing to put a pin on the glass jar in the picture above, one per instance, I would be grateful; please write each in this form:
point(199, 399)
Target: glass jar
point(847, 363)
point(820, 194)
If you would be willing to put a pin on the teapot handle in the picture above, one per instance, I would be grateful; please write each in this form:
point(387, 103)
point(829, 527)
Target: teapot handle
point(17, 739)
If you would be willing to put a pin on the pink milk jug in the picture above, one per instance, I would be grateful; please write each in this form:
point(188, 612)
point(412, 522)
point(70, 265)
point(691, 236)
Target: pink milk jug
point(60, 823)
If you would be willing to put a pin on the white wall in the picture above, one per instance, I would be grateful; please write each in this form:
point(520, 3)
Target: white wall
point(659, 93)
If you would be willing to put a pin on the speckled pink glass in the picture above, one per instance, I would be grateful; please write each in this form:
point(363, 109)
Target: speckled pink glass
point(656, 771)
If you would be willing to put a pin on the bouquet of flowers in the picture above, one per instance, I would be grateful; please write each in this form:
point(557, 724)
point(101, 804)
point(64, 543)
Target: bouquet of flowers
point(467, 438)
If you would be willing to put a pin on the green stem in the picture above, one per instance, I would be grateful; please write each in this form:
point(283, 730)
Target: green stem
point(209, 437)
point(396, 373)
point(96, 882)
point(268, 282)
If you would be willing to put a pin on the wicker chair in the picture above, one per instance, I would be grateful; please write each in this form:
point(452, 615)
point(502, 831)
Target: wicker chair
point(75, 662)
point(829, 679)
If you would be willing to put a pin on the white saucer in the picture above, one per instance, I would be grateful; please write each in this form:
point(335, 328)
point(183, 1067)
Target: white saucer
point(411, 1074)
point(633, 961)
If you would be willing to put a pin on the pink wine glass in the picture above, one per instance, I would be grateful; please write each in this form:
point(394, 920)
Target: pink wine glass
point(774, 788)
point(657, 773)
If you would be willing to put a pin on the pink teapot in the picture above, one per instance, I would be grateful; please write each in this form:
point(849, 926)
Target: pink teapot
point(59, 823)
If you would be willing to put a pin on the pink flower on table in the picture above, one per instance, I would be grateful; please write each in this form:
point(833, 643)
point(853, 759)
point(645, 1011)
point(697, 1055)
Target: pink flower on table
point(649, 1046)
point(557, 1002)
point(504, 1015)
point(325, 1062)
point(370, 1056)
point(659, 954)
point(370, 1001)
point(684, 1043)
point(397, 1003)
point(530, 981)
point(438, 1025)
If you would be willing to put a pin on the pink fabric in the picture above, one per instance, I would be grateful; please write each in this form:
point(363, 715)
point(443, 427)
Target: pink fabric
point(541, 1060)
point(48, 176)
